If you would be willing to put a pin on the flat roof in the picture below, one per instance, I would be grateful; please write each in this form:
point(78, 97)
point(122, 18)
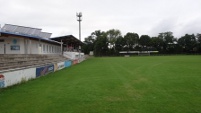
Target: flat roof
point(27, 32)
point(68, 39)
point(16, 29)
point(31, 37)
point(35, 33)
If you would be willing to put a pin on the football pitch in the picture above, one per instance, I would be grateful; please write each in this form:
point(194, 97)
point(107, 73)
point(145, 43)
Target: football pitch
point(152, 84)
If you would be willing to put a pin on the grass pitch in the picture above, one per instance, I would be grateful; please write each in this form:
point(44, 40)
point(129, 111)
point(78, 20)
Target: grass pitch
point(159, 84)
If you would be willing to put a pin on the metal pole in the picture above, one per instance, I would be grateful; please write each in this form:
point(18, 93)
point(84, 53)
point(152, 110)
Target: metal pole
point(79, 39)
point(0, 29)
point(80, 30)
point(61, 47)
point(79, 19)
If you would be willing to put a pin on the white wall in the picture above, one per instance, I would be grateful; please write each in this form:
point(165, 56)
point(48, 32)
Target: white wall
point(15, 77)
point(34, 47)
point(60, 66)
point(13, 41)
point(47, 48)
point(74, 55)
point(28, 46)
point(19, 76)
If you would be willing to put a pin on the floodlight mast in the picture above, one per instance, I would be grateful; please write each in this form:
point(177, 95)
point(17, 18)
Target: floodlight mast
point(0, 29)
point(79, 19)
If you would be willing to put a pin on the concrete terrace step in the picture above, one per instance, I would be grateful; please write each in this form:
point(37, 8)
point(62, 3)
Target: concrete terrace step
point(18, 61)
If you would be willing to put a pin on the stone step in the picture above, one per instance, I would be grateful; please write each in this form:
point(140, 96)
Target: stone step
point(19, 61)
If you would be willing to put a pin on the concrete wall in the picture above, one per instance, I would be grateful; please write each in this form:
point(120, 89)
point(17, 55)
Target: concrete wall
point(15, 77)
point(68, 63)
point(40, 71)
point(75, 62)
point(74, 56)
point(18, 76)
point(59, 66)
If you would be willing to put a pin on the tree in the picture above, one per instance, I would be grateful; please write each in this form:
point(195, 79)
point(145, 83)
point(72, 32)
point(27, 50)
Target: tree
point(120, 43)
point(188, 43)
point(88, 45)
point(90, 41)
point(144, 41)
point(97, 34)
point(112, 36)
point(101, 45)
point(131, 40)
point(111, 42)
point(198, 36)
point(157, 43)
point(154, 44)
point(168, 39)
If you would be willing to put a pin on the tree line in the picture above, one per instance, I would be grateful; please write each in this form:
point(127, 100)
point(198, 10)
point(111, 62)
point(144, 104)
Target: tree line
point(111, 42)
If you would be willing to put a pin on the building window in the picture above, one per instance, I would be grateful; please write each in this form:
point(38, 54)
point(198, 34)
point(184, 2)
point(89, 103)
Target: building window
point(1, 40)
point(50, 49)
point(43, 48)
point(47, 48)
point(15, 47)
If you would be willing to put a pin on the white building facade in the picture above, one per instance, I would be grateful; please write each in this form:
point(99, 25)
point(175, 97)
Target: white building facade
point(25, 40)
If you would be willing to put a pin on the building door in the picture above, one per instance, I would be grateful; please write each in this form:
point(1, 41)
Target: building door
point(2, 48)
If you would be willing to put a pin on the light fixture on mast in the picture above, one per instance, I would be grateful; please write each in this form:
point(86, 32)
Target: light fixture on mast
point(79, 19)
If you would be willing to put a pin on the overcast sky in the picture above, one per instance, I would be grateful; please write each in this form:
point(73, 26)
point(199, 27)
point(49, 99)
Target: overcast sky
point(145, 17)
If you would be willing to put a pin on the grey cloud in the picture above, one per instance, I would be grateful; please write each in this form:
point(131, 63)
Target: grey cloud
point(141, 16)
point(164, 26)
point(192, 27)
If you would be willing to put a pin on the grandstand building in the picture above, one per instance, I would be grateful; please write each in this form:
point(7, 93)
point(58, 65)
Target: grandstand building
point(22, 40)
point(28, 53)
point(26, 40)
point(16, 39)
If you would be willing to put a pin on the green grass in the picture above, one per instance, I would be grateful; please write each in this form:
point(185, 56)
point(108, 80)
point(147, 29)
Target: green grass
point(159, 84)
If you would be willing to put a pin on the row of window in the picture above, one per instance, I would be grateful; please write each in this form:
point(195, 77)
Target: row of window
point(51, 49)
